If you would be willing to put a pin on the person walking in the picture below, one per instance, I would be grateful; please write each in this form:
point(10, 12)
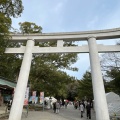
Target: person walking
point(81, 109)
point(85, 102)
point(54, 107)
point(76, 104)
point(88, 109)
point(57, 107)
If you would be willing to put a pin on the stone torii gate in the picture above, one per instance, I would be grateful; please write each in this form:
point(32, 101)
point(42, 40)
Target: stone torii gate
point(92, 48)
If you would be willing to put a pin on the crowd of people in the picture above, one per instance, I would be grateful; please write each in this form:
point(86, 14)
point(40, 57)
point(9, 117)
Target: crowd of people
point(58, 104)
point(84, 105)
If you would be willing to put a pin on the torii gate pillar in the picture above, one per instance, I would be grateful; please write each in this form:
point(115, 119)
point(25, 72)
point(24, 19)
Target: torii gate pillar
point(97, 82)
point(18, 101)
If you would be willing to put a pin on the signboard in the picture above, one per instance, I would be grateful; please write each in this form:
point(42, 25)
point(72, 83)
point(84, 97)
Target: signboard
point(33, 96)
point(26, 96)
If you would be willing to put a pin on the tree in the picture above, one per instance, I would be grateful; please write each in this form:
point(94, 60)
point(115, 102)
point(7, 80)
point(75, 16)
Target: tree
point(45, 71)
point(85, 86)
point(50, 80)
point(29, 27)
point(110, 63)
point(8, 9)
point(115, 83)
point(11, 8)
point(72, 89)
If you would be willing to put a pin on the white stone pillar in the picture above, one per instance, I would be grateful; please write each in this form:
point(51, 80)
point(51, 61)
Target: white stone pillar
point(97, 82)
point(18, 101)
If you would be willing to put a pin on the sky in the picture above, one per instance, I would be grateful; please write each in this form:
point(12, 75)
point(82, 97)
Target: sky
point(72, 16)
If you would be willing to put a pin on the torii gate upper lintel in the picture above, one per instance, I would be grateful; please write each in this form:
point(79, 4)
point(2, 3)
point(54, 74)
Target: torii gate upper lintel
point(92, 48)
point(68, 36)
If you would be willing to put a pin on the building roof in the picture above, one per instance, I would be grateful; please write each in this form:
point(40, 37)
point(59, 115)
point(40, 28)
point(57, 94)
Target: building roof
point(5, 83)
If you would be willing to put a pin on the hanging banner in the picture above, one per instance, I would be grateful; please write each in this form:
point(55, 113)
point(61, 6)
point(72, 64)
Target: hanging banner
point(33, 96)
point(41, 97)
point(26, 96)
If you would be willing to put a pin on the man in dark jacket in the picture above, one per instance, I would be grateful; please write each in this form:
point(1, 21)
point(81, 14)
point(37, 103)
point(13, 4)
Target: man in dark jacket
point(88, 108)
point(54, 107)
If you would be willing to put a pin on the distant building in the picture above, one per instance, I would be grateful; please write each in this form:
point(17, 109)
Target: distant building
point(6, 89)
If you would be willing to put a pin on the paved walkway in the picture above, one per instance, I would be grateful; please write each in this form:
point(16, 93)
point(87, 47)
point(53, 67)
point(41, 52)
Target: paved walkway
point(2, 109)
point(47, 115)
point(65, 114)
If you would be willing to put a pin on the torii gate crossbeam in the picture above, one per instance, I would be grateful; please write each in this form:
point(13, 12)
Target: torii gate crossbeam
point(93, 49)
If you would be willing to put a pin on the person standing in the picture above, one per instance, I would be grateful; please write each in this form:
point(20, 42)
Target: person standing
point(81, 109)
point(57, 107)
point(88, 109)
point(66, 104)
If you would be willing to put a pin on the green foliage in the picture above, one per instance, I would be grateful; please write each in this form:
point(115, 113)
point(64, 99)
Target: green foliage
point(115, 83)
point(45, 69)
point(85, 86)
point(60, 61)
point(110, 86)
point(5, 24)
point(10, 66)
point(29, 27)
point(72, 89)
point(11, 8)
point(8, 8)
point(45, 72)
point(48, 79)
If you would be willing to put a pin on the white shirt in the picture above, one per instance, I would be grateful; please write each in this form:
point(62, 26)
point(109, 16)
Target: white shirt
point(81, 107)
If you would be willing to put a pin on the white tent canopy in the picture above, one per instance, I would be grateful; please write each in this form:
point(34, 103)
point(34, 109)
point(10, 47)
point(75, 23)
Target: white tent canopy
point(50, 101)
point(113, 101)
point(112, 97)
point(50, 98)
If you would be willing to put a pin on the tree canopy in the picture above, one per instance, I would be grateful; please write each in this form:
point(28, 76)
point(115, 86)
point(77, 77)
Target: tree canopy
point(85, 86)
point(29, 27)
point(8, 9)
point(11, 8)
point(110, 63)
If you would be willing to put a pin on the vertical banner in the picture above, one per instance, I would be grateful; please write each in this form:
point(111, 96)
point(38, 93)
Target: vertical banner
point(33, 96)
point(41, 97)
point(26, 96)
